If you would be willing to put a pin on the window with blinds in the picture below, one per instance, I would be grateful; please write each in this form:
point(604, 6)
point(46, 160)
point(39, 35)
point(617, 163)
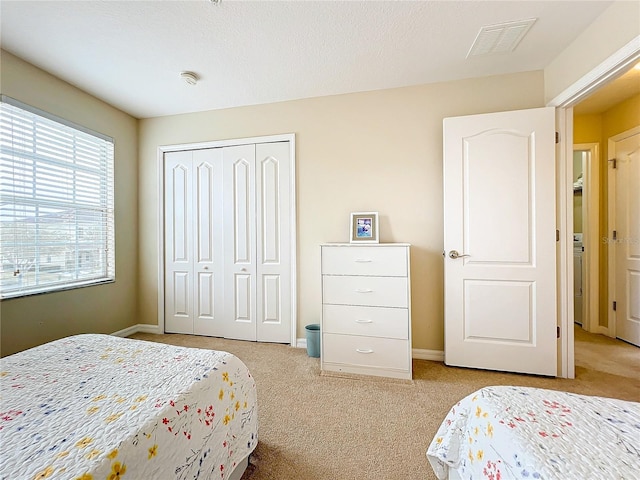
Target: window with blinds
point(56, 203)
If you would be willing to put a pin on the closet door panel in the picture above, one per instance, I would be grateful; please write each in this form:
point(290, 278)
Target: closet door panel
point(243, 298)
point(240, 241)
point(181, 295)
point(208, 253)
point(178, 243)
point(205, 300)
point(269, 211)
point(273, 192)
point(241, 198)
point(271, 300)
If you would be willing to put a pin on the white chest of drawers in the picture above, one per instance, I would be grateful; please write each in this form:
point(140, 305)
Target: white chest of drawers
point(366, 309)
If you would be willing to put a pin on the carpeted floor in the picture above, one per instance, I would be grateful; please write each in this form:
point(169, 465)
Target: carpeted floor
point(315, 427)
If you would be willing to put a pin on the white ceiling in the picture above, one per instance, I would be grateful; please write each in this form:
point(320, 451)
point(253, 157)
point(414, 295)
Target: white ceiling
point(130, 53)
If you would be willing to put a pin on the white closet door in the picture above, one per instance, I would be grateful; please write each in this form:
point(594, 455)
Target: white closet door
point(178, 177)
point(208, 256)
point(240, 241)
point(193, 237)
point(273, 197)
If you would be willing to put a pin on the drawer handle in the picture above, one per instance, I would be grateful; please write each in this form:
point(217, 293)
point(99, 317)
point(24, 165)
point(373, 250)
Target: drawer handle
point(363, 320)
point(363, 260)
point(364, 350)
point(363, 290)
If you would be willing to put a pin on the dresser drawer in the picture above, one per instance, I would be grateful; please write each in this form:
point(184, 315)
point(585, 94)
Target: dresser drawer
point(380, 261)
point(371, 321)
point(387, 353)
point(371, 291)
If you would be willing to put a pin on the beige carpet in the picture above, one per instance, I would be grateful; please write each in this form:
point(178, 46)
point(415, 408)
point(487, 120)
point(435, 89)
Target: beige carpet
point(327, 428)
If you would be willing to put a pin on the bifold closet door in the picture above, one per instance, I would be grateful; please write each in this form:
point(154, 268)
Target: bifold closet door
point(257, 242)
point(240, 241)
point(273, 200)
point(194, 265)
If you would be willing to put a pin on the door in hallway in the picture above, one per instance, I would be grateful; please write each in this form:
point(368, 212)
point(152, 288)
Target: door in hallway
point(625, 221)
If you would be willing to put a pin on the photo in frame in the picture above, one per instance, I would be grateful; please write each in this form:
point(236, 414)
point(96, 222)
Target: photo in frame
point(364, 227)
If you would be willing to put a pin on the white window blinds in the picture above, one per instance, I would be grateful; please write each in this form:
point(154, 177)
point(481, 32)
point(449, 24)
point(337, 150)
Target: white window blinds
point(56, 203)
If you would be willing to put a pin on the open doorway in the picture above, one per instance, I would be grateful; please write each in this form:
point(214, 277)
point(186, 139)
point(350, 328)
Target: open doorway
point(609, 111)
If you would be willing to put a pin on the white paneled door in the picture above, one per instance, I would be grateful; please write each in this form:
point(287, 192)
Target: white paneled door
point(626, 244)
point(500, 241)
point(243, 225)
point(274, 249)
point(240, 241)
point(193, 242)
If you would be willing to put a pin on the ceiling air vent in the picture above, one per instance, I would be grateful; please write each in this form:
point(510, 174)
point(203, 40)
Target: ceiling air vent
point(500, 38)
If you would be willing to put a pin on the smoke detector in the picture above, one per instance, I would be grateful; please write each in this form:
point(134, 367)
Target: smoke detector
point(189, 77)
point(500, 38)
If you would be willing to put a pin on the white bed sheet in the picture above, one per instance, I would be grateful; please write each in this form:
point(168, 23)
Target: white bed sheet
point(501, 433)
point(101, 407)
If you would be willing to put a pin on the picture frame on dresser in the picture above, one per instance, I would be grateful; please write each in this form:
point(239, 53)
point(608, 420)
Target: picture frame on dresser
point(364, 227)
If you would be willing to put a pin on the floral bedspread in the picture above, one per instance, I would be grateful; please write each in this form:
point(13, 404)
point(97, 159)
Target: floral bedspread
point(102, 407)
point(502, 433)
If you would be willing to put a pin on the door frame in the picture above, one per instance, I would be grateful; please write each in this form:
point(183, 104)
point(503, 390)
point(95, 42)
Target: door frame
point(607, 70)
point(611, 215)
point(285, 137)
point(590, 229)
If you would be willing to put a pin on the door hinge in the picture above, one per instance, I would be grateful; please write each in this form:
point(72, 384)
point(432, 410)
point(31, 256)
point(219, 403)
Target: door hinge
point(614, 163)
point(557, 137)
point(615, 305)
point(557, 332)
point(615, 234)
point(557, 235)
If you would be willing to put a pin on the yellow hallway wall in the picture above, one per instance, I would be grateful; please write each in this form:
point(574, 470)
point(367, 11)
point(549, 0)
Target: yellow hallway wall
point(598, 128)
point(372, 151)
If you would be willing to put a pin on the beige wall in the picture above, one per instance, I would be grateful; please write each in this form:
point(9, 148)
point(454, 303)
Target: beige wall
point(613, 29)
point(29, 321)
point(598, 128)
point(379, 151)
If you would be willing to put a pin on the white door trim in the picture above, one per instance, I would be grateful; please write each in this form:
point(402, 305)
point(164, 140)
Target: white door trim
point(611, 217)
point(564, 102)
point(286, 137)
point(564, 256)
point(607, 70)
point(591, 203)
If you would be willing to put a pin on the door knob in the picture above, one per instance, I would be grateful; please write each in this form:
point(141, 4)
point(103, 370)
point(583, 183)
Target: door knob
point(454, 254)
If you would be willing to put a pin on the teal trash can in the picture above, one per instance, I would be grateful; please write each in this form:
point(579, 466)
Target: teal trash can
point(313, 340)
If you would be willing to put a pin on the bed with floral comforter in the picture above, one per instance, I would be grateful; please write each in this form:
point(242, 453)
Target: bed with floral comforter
point(501, 433)
point(102, 407)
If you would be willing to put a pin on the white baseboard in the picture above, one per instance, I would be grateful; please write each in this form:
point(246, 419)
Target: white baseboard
point(140, 327)
point(301, 343)
point(146, 328)
point(433, 355)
